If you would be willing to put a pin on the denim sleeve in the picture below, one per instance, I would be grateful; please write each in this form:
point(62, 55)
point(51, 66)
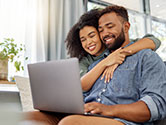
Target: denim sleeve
point(153, 84)
point(152, 107)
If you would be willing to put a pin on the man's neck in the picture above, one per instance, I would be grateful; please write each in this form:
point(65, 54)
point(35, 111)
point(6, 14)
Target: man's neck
point(127, 41)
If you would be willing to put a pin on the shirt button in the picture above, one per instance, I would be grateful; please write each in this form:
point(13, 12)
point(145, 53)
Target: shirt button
point(104, 90)
point(98, 99)
point(100, 93)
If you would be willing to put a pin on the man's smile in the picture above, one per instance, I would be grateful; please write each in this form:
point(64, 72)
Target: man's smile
point(108, 39)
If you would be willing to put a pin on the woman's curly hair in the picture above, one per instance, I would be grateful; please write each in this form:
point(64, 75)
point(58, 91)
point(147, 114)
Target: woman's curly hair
point(74, 45)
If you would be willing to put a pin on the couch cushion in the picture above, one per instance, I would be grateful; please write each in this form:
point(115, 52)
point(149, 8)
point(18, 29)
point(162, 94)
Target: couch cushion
point(9, 95)
point(25, 93)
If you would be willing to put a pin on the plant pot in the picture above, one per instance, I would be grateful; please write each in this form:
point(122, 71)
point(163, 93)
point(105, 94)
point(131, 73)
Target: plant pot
point(4, 69)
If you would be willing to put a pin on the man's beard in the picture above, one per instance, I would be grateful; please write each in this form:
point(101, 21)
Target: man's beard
point(117, 43)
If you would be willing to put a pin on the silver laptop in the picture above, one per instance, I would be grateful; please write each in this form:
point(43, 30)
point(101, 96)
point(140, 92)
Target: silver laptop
point(56, 86)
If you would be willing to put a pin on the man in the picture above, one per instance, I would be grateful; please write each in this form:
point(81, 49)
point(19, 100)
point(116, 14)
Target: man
point(136, 93)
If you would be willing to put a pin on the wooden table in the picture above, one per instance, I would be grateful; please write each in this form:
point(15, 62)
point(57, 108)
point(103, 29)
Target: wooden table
point(6, 82)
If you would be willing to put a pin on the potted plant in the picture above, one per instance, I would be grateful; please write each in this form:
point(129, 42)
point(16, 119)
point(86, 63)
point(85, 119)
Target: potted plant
point(10, 51)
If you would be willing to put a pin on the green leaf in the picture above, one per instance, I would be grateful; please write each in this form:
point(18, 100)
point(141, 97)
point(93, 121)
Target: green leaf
point(12, 51)
point(1, 43)
point(26, 58)
point(17, 64)
point(8, 39)
point(22, 67)
point(12, 40)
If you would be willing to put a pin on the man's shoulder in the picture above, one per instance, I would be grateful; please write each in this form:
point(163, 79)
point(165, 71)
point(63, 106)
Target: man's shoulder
point(143, 55)
point(147, 55)
point(146, 52)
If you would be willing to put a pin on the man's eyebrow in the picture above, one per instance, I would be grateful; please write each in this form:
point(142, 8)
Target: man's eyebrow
point(108, 23)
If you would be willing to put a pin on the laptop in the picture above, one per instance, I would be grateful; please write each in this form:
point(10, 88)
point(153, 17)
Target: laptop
point(56, 86)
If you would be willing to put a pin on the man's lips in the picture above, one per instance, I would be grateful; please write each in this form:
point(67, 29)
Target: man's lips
point(108, 39)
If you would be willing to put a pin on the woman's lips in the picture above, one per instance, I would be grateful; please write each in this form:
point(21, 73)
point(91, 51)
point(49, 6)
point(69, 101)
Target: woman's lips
point(91, 48)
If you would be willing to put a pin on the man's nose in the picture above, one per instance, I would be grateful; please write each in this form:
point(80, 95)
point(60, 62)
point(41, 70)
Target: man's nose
point(104, 33)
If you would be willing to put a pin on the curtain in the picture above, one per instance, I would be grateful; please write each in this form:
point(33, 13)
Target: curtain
point(54, 18)
point(41, 25)
point(63, 14)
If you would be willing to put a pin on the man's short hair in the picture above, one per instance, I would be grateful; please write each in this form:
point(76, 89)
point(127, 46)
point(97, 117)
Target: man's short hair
point(119, 10)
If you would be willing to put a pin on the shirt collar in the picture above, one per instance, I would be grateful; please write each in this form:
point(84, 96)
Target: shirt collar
point(102, 55)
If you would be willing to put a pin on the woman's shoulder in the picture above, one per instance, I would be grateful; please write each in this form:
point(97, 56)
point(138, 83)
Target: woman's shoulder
point(86, 60)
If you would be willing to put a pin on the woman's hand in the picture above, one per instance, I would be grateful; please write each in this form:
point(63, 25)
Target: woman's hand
point(116, 57)
point(108, 72)
point(112, 62)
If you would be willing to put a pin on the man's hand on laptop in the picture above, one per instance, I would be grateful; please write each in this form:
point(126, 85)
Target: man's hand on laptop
point(98, 108)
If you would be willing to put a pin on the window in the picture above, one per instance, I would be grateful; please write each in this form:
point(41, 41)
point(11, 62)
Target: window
point(137, 27)
point(17, 21)
point(130, 4)
point(158, 9)
point(159, 30)
point(92, 5)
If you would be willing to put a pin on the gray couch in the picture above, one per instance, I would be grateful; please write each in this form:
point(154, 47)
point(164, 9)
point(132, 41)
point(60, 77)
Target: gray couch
point(12, 97)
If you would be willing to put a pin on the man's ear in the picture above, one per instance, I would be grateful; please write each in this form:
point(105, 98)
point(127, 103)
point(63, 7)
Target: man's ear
point(126, 26)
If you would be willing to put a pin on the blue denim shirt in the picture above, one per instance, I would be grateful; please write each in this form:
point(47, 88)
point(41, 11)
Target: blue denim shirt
point(142, 76)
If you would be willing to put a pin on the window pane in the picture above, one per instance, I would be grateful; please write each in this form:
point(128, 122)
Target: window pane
point(137, 27)
point(159, 30)
point(130, 4)
point(158, 8)
point(94, 5)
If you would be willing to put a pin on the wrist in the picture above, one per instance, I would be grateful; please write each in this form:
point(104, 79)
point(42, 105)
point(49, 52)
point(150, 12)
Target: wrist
point(113, 111)
point(103, 63)
point(127, 52)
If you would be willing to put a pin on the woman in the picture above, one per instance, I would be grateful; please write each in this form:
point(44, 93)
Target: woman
point(83, 42)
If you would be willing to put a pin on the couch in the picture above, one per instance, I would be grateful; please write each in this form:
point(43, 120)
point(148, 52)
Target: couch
point(23, 97)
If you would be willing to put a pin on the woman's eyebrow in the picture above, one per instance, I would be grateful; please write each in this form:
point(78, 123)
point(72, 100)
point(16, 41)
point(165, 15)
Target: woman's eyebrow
point(91, 33)
point(82, 37)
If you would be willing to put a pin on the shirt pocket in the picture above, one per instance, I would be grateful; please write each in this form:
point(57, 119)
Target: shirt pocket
point(124, 82)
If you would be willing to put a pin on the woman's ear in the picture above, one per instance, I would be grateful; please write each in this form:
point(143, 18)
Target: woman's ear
point(126, 27)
